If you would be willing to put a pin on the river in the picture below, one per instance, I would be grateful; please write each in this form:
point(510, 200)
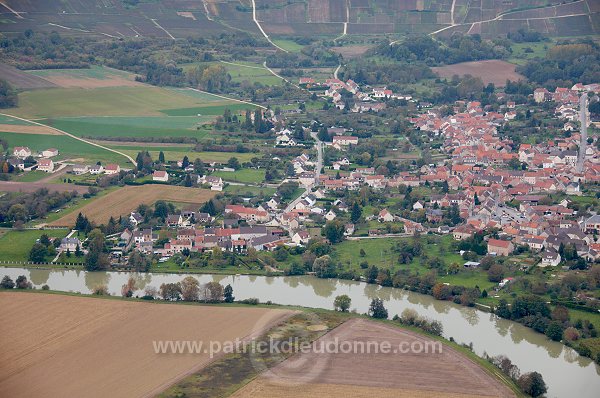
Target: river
point(566, 373)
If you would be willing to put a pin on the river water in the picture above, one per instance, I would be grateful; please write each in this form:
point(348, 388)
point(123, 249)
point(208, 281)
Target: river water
point(566, 373)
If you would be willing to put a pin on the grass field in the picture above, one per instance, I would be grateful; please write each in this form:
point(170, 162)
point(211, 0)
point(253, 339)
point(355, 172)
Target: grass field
point(68, 147)
point(248, 176)
point(289, 45)
point(249, 191)
point(208, 110)
point(15, 245)
point(125, 200)
point(93, 77)
point(115, 101)
point(132, 126)
point(99, 347)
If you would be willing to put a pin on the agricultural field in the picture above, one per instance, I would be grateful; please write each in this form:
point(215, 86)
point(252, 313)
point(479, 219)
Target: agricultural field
point(357, 374)
point(116, 101)
point(490, 71)
point(93, 77)
point(108, 344)
point(125, 200)
point(22, 80)
point(20, 186)
point(15, 245)
point(69, 147)
point(132, 126)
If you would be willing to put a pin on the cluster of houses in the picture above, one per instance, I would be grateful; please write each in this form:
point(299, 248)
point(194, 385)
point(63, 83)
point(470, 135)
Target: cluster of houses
point(43, 163)
point(364, 101)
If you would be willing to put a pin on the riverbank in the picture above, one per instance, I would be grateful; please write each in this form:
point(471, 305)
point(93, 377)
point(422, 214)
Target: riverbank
point(322, 322)
point(566, 373)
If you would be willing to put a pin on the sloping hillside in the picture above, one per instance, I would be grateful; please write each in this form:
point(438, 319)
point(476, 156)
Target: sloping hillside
point(182, 18)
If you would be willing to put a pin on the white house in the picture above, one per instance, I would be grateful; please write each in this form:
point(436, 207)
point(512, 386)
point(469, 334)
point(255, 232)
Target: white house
point(50, 152)
point(550, 259)
point(345, 140)
point(216, 183)
point(46, 165)
point(301, 237)
point(160, 175)
point(79, 169)
point(69, 244)
point(385, 216)
point(21, 152)
point(96, 169)
point(330, 215)
point(112, 169)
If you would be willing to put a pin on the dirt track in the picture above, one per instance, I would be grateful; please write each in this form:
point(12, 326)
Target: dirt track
point(362, 374)
point(62, 346)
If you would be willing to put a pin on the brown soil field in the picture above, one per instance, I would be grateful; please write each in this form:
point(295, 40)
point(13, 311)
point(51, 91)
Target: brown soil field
point(491, 71)
point(125, 200)
point(22, 80)
point(362, 374)
point(65, 346)
point(351, 51)
point(15, 186)
point(27, 129)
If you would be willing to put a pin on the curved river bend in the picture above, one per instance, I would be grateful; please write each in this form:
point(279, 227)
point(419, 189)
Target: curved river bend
point(566, 373)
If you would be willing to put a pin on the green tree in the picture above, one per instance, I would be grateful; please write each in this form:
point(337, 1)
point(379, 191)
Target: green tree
point(190, 289)
point(96, 259)
point(496, 273)
point(228, 294)
point(234, 163)
point(533, 384)
point(170, 291)
point(342, 303)
point(377, 309)
point(8, 96)
point(324, 267)
point(161, 157)
point(7, 283)
point(38, 253)
point(23, 283)
point(554, 331)
point(334, 231)
point(356, 213)
point(502, 310)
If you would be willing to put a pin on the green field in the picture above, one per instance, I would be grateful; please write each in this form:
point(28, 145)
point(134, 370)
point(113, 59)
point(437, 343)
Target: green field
point(12, 120)
point(15, 245)
point(68, 147)
point(208, 110)
point(289, 45)
point(520, 53)
point(114, 101)
point(94, 72)
point(123, 126)
point(249, 191)
point(31, 176)
point(248, 176)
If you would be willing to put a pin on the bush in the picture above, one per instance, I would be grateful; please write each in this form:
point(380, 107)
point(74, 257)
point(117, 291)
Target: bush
point(251, 301)
point(533, 384)
point(101, 290)
point(45, 287)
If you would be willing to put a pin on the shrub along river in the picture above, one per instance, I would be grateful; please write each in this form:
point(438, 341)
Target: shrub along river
point(566, 373)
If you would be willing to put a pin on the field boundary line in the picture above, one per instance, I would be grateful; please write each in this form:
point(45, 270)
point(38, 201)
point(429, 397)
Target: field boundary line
point(224, 97)
point(160, 27)
point(75, 137)
point(17, 14)
point(242, 65)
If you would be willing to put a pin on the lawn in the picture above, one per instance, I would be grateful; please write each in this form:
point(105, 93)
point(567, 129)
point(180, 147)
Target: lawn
point(248, 176)
point(114, 101)
point(249, 191)
point(69, 148)
point(123, 126)
point(94, 72)
point(520, 56)
point(15, 245)
point(31, 176)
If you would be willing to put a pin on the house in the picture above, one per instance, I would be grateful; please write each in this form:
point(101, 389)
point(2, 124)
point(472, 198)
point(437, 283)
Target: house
point(203, 217)
point(592, 225)
point(500, 247)
point(550, 258)
point(79, 169)
point(21, 152)
point(247, 213)
point(160, 175)
point(285, 140)
point(301, 237)
point(330, 215)
point(112, 169)
point(216, 183)
point(46, 165)
point(418, 205)
point(50, 152)
point(69, 244)
point(96, 169)
point(17, 163)
point(385, 216)
point(135, 218)
point(345, 140)
point(174, 220)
